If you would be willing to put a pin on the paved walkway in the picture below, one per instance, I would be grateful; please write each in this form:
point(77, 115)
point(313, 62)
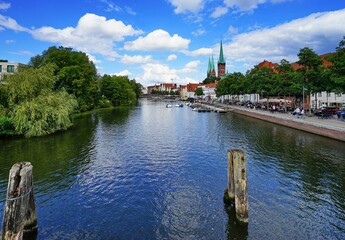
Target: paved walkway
point(330, 127)
point(329, 123)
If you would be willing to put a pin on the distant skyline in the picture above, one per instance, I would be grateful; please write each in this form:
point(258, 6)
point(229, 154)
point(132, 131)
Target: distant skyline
point(165, 41)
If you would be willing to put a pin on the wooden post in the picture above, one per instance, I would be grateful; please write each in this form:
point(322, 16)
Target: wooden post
point(20, 216)
point(231, 180)
point(237, 184)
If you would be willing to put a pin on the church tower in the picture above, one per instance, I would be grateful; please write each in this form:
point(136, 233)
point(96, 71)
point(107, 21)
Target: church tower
point(221, 62)
point(211, 72)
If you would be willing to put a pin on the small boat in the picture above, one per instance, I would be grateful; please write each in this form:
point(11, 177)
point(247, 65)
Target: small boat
point(179, 105)
point(168, 106)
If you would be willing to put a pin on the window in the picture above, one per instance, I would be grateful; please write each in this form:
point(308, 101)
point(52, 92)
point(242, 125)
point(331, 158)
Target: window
point(338, 95)
point(328, 94)
point(0, 68)
point(319, 94)
point(10, 68)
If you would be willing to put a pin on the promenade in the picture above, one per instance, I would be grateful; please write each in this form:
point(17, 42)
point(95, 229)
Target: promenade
point(332, 128)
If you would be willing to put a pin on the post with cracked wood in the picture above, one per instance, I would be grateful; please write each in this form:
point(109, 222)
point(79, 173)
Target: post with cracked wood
point(20, 217)
point(237, 184)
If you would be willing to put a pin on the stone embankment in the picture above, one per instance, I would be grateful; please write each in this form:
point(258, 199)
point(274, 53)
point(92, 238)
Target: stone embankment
point(332, 128)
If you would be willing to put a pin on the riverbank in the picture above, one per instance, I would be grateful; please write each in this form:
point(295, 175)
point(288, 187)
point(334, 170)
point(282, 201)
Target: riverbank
point(332, 128)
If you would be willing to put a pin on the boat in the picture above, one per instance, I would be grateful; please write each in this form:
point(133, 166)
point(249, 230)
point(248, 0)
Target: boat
point(179, 105)
point(168, 105)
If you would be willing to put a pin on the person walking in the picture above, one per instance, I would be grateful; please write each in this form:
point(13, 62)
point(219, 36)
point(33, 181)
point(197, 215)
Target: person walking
point(298, 112)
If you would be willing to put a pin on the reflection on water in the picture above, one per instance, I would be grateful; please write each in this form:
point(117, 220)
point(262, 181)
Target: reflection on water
point(159, 173)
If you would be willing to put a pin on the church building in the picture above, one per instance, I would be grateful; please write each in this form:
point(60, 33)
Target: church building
point(211, 71)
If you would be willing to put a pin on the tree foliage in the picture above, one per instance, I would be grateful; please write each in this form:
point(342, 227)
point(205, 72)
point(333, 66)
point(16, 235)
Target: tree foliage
point(75, 73)
point(119, 90)
point(34, 108)
point(285, 80)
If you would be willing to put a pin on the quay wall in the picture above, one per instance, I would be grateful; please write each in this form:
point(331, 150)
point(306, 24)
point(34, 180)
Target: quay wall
point(326, 132)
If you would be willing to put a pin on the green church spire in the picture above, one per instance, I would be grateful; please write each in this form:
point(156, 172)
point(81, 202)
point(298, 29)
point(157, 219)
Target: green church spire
point(221, 56)
point(212, 64)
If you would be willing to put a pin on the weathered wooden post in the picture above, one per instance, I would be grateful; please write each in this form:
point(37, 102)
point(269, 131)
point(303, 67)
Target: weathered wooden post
point(20, 216)
point(237, 183)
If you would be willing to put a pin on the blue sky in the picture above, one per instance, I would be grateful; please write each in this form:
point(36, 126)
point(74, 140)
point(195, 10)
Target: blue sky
point(164, 41)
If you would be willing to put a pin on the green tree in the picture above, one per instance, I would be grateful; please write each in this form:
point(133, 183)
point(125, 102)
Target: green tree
point(118, 89)
point(75, 73)
point(338, 69)
point(34, 107)
point(199, 91)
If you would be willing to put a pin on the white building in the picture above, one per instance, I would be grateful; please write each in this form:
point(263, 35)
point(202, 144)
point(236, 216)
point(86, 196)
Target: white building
point(327, 99)
point(7, 68)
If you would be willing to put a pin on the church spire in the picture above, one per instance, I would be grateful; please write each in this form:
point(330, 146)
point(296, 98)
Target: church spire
point(221, 56)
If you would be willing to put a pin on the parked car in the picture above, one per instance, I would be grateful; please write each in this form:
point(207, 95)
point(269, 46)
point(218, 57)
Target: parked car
point(341, 114)
point(326, 112)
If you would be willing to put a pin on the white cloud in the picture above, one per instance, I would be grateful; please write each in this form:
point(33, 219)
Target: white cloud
point(4, 6)
point(157, 72)
point(160, 73)
point(93, 34)
point(232, 30)
point(248, 5)
point(10, 23)
point(122, 73)
point(199, 52)
point(158, 40)
point(191, 67)
point(183, 6)
point(171, 57)
point(219, 11)
point(321, 32)
point(138, 59)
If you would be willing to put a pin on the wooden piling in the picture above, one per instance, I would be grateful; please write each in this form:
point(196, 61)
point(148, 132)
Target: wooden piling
point(20, 217)
point(231, 180)
point(237, 183)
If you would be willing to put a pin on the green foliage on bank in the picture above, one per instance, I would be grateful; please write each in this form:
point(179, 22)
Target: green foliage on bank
point(32, 107)
point(285, 80)
point(41, 97)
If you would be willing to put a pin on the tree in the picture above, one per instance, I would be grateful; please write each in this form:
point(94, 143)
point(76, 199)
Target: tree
point(199, 91)
point(118, 89)
point(338, 69)
point(75, 73)
point(34, 107)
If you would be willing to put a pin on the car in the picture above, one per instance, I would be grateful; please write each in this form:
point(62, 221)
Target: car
point(326, 112)
point(341, 114)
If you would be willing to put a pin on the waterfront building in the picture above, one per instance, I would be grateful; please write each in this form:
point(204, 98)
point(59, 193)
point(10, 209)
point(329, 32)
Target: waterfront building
point(8, 68)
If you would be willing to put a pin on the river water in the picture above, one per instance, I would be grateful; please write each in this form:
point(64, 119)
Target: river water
point(159, 173)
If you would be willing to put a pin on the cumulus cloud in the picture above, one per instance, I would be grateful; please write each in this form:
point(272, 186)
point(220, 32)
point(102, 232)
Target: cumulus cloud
point(190, 67)
point(320, 32)
point(93, 34)
point(122, 73)
point(183, 6)
point(158, 40)
point(137, 59)
point(157, 72)
point(161, 73)
point(199, 52)
point(171, 57)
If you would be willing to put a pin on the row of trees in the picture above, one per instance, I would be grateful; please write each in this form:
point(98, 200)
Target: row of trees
point(285, 80)
point(42, 96)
